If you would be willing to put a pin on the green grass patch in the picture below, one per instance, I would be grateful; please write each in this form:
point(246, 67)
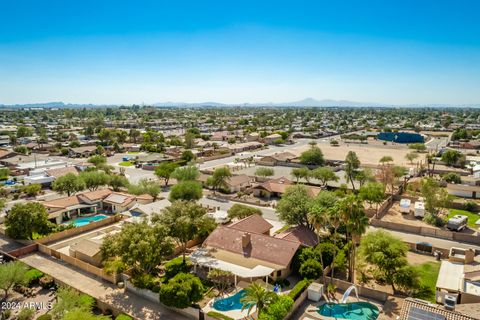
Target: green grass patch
point(133, 152)
point(472, 217)
point(282, 229)
point(126, 163)
point(428, 273)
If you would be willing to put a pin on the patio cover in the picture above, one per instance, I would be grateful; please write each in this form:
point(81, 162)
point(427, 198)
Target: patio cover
point(202, 258)
point(450, 276)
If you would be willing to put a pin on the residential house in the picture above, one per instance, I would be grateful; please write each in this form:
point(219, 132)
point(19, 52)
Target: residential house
point(244, 146)
point(82, 152)
point(246, 254)
point(90, 203)
point(277, 159)
point(416, 309)
point(272, 188)
point(272, 138)
point(253, 136)
point(47, 176)
point(238, 183)
point(140, 211)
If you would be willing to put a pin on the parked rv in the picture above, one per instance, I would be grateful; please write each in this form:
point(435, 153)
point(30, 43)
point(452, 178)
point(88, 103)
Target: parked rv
point(457, 222)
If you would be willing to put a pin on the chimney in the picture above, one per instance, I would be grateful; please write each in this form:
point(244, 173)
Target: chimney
point(246, 237)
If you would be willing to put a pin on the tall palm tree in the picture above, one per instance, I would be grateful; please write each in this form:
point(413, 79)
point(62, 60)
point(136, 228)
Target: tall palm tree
point(256, 295)
point(318, 218)
point(356, 226)
point(334, 219)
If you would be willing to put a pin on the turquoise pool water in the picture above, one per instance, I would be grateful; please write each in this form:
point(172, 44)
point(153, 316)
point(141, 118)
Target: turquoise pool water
point(354, 310)
point(79, 222)
point(229, 303)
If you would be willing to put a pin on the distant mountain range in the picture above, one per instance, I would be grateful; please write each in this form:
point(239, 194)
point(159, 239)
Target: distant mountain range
point(308, 102)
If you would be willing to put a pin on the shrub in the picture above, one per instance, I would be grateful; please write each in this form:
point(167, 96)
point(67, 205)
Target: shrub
point(175, 266)
point(26, 314)
point(123, 317)
point(282, 282)
point(299, 288)
point(470, 206)
point(33, 276)
point(433, 219)
point(45, 316)
point(46, 282)
point(181, 291)
point(278, 309)
point(6, 314)
point(146, 281)
point(311, 269)
point(218, 315)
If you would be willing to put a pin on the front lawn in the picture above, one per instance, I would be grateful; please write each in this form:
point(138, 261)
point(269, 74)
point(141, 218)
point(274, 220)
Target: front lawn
point(428, 273)
point(472, 217)
point(126, 163)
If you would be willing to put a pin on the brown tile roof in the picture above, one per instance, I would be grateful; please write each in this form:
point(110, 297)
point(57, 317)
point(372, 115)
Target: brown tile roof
point(5, 153)
point(238, 180)
point(58, 172)
point(262, 247)
point(62, 202)
point(254, 223)
point(283, 156)
point(410, 305)
point(276, 185)
point(302, 234)
point(97, 194)
point(87, 247)
point(84, 149)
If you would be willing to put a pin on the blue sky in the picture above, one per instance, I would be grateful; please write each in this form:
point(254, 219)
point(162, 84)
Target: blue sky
point(108, 51)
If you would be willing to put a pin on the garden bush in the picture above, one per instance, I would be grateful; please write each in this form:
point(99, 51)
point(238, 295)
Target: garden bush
point(299, 288)
point(175, 266)
point(470, 206)
point(278, 309)
point(146, 281)
point(181, 291)
point(123, 317)
point(26, 314)
point(45, 316)
point(33, 276)
point(46, 282)
point(311, 269)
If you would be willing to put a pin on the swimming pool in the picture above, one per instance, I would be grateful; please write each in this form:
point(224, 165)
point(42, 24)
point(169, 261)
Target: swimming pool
point(354, 310)
point(79, 222)
point(229, 303)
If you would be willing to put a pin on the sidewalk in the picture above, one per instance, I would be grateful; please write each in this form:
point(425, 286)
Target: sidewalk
point(101, 290)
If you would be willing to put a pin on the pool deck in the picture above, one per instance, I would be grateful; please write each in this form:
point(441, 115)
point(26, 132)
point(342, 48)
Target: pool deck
point(234, 314)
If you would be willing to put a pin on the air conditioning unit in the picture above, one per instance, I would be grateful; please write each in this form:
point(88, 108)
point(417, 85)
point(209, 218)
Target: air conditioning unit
point(449, 302)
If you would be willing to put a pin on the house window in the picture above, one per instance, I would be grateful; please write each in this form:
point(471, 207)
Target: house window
point(279, 273)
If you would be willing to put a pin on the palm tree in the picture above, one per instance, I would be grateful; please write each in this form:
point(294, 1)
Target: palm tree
point(318, 217)
point(256, 295)
point(357, 224)
point(334, 219)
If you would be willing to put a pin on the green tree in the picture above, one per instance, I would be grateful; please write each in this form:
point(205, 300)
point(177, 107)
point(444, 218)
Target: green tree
point(241, 211)
point(264, 172)
point(418, 147)
point(352, 164)
point(117, 182)
point(364, 176)
point(187, 173)
point(324, 175)
point(152, 188)
point(140, 246)
point(97, 160)
point(372, 193)
point(181, 291)
point(452, 177)
point(11, 274)
point(385, 253)
point(32, 189)
point(188, 156)
point(4, 173)
point(185, 221)
point(68, 184)
point(313, 156)
point(165, 170)
point(257, 296)
point(23, 131)
point(222, 280)
point(186, 190)
point(295, 205)
point(453, 158)
point(94, 179)
point(301, 173)
point(279, 309)
point(24, 219)
point(411, 156)
point(219, 178)
point(435, 197)
point(311, 269)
